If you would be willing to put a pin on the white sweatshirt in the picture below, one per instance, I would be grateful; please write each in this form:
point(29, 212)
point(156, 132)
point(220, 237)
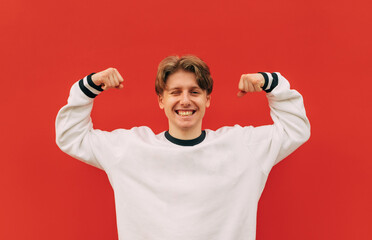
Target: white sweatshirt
point(164, 191)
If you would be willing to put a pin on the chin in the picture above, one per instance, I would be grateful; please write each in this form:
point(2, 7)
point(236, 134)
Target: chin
point(184, 126)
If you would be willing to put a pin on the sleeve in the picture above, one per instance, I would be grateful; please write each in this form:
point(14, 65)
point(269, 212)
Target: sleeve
point(74, 129)
point(272, 143)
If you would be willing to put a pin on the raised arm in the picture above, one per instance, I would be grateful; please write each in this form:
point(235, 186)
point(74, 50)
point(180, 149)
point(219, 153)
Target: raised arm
point(291, 126)
point(74, 128)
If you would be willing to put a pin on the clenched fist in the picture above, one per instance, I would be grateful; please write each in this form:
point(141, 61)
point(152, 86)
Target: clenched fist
point(109, 78)
point(250, 83)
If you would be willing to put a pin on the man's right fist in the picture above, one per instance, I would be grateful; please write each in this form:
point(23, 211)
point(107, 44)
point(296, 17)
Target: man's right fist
point(109, 78)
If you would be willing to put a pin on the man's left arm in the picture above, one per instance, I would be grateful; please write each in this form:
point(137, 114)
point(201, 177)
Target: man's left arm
point(291, 126)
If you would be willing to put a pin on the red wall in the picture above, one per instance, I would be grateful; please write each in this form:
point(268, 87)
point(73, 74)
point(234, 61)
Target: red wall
point(322, 191)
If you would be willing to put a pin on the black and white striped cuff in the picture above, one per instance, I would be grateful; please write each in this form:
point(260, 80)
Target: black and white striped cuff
point(88, 87)
point(271, 81)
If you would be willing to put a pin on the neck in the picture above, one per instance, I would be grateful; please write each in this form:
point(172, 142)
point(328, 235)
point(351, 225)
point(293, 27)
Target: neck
point(185, 134)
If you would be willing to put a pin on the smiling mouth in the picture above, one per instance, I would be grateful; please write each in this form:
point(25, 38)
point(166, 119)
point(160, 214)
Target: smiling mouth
point(185, 112)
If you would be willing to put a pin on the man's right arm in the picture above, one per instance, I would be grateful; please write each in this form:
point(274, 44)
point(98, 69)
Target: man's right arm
point(74, 129)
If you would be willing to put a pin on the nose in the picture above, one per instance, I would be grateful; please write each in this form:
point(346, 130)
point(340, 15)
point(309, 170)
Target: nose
point(185, 99)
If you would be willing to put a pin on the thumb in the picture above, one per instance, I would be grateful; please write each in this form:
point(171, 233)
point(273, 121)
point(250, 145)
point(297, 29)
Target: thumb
point(241, 93)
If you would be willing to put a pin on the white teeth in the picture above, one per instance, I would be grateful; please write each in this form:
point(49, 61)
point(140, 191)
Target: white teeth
point(185, 113)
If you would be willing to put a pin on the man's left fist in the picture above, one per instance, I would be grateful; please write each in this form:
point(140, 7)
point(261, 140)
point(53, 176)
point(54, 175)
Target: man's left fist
point(252, 82)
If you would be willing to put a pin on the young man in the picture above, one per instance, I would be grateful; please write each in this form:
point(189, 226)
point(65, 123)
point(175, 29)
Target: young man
point(185, 183)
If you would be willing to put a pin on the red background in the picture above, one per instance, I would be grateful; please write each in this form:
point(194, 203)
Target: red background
point(321, 191)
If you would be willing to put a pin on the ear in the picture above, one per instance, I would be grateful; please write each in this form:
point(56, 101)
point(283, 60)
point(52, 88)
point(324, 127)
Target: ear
point(160, 101)
point(208, 103)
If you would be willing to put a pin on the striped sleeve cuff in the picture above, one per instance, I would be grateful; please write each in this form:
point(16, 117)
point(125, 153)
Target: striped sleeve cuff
point(88, 87)
point(271, 81)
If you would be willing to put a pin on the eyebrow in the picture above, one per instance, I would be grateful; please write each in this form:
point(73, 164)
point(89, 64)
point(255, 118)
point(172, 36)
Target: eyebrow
point(177, 88)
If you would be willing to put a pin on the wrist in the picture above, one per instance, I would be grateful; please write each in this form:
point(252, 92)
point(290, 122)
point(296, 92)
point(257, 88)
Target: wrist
point(266, 80)
point(94, 82)
point(89, 88)
point(94, 79)
point(271, 81)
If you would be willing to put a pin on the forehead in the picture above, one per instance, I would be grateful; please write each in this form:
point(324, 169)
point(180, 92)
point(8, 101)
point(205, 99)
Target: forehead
point(181, 79)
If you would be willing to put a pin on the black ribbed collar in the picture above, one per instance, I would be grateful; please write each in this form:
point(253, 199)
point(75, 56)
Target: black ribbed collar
point(182, 142)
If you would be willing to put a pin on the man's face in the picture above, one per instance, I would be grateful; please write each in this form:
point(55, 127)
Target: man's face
point(184, 102)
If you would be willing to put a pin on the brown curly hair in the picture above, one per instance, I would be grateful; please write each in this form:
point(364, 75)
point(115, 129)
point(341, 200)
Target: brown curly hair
point(188, 63)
